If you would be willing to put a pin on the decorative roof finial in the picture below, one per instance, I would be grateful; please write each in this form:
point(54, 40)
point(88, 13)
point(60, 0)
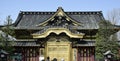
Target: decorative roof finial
point(59, 8)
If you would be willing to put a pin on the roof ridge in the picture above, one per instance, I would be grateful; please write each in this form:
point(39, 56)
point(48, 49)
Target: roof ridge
point(67, 12)
point(64, 11)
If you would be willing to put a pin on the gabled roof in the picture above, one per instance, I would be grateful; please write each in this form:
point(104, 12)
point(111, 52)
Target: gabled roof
point(88, 19)
point(60, 13)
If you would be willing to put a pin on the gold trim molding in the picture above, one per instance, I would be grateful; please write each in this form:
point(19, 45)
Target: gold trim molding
point(58, 31)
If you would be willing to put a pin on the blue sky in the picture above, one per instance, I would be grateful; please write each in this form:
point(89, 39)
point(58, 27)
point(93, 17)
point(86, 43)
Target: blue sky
point(13, 7)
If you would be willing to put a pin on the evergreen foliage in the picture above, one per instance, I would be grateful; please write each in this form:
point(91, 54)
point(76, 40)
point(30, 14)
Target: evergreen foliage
point(106, 40)
point(6, 38)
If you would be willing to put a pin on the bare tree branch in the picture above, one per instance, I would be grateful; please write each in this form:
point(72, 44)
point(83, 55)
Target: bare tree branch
point(114, 16)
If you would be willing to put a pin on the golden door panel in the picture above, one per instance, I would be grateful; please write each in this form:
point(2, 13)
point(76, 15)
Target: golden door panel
point(58, 50)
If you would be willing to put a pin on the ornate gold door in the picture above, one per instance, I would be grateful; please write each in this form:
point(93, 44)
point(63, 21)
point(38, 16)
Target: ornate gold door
point(58, 50)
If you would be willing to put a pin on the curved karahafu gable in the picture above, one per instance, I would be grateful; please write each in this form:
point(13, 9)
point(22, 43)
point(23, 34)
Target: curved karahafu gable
point(57, 31)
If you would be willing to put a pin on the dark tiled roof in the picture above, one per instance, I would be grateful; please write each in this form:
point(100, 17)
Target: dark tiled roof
point(85, 43)
point(26, 42)
point(31, 20)
point(32, 43)
point(89, 20)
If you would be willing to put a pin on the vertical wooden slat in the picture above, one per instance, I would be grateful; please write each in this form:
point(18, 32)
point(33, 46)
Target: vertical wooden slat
point(79, 55)
point(27, 55)
point(81, 52)
point(30, 54)
point(85, 55)
point(23, 54)
point(89, 55)
point(93, 54)
point(35, 54)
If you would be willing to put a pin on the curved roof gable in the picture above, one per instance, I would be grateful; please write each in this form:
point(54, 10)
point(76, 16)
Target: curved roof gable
point(59, 13)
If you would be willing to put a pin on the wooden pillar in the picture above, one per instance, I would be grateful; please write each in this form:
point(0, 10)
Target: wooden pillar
point(35, 55)
point(87, 50)
point(87, 54)
point(78, 55)
point(23, 54)
point(32, 54)
point(27, 54)
point(93, 53)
